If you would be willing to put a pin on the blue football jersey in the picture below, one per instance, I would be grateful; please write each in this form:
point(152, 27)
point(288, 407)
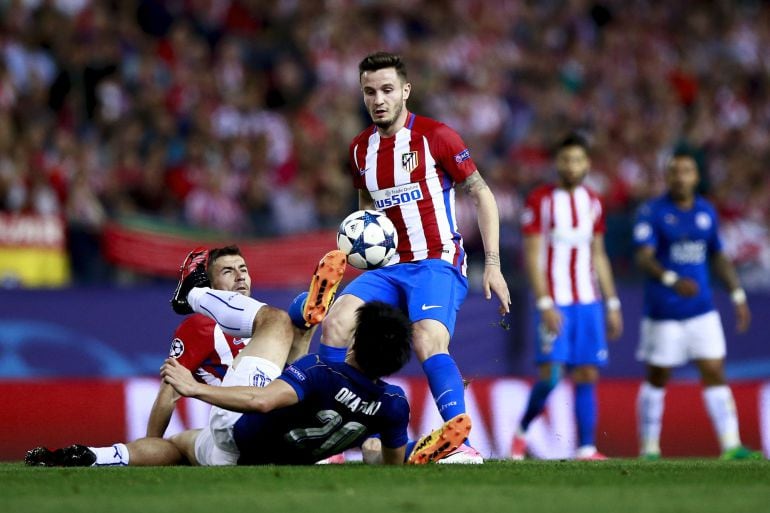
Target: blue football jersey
point(683, 242)
point(338, 408)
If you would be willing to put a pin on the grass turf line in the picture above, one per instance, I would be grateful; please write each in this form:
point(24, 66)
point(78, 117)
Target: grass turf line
point(530, 486)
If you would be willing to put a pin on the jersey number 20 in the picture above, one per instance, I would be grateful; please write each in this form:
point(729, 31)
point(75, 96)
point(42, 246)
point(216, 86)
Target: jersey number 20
point(336, 436)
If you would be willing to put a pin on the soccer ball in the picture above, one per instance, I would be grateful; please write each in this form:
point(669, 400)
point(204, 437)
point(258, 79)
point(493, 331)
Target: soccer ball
point(368, 238)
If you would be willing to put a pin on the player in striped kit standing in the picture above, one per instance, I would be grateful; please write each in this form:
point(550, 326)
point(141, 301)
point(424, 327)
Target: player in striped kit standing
point(406, 166)
point(563, 226)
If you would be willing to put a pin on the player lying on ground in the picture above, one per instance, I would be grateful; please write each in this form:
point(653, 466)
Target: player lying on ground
point(208, 349)
point(317, 408)
point(214, 444)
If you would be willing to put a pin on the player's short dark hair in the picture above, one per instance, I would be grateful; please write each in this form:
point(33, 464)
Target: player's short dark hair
point(573, 139)
point(382, 342)
point(382, 60)
point(215, 253)
point(683, 153)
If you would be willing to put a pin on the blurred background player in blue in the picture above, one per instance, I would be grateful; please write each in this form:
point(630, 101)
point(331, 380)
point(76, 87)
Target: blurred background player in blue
point(677, 237)
point(563, 226)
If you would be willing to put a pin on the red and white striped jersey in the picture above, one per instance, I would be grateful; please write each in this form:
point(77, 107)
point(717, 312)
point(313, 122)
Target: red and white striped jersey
point(201, 346)
point(411, 178)
point(568, 222)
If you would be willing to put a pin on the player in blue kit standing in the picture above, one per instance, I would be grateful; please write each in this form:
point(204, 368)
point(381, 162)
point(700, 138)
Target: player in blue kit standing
point(316, 408)
point(676, 236)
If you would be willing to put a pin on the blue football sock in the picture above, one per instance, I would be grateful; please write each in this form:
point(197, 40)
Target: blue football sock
point(409, 448)
point(537, 398)
point(446, 385)
point(333, 354)
point(295, 311)
point(586, 413)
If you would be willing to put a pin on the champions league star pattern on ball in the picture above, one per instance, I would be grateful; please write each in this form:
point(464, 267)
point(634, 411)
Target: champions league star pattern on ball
point(368, 238)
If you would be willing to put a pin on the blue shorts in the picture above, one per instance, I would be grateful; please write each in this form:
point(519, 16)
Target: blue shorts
point(582, 340)
point(427, 289)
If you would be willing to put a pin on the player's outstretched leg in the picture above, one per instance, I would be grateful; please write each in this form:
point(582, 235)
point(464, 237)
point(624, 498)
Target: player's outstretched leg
point(442, 441)
point(323, 286)
point(309, 308)
point(192, 274)
point(72, 456)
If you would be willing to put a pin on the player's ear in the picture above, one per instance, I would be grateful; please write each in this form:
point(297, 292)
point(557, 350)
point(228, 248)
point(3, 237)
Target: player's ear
point(407, 90)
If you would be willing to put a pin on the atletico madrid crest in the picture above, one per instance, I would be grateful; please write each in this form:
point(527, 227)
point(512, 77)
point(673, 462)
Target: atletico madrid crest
point(409, 161)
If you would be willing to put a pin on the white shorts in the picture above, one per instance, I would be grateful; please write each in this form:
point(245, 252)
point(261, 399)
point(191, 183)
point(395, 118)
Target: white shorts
point(215, 445)
point(671, 343)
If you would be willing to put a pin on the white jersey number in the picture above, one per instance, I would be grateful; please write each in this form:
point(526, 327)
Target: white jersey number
point(337, 435)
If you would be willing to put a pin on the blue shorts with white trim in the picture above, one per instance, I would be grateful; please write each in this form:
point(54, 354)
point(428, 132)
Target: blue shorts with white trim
point(582, 340)
point(426, 289)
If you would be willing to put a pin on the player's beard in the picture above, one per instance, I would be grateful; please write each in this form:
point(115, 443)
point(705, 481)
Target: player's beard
point(385, 124)
point(572, 180)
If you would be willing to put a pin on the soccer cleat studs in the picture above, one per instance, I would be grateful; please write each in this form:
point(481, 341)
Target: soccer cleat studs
point(192, 274)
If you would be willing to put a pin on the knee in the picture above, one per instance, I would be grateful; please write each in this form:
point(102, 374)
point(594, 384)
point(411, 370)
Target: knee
point(273, 318)
point(585, 374)
point(428, 340)
point(550, 375)
point(713, 376)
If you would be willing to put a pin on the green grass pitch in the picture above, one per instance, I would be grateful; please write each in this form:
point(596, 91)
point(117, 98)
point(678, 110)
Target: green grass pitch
point(532, 486)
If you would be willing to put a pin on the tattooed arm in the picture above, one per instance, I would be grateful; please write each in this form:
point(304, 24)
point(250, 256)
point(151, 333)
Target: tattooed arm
point(489, 227)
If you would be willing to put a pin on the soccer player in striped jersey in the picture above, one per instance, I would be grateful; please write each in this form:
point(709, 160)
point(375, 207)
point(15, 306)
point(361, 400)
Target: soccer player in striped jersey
point(563, 226)
point(677, 236)
point(407, 166)
point(199, 343)
point(207, 348)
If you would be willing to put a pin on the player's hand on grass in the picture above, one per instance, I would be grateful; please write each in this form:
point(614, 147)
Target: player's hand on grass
point(686, 287)
point(494, 281)
point(742, 317)
point(179, 377)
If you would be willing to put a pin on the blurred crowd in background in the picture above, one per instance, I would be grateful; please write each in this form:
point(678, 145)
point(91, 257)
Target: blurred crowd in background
point(235, 115)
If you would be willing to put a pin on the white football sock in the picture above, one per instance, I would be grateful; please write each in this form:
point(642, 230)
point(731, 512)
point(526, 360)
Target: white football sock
point(114, 455)
point(649, 408)
point(721, 407)
point(233, 312)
